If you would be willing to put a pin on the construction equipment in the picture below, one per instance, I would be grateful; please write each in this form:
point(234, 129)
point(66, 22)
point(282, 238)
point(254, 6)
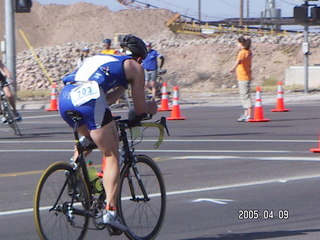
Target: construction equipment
point(188, 25)
point(183, 24)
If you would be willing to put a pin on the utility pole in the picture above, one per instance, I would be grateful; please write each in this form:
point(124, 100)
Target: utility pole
point(241, 13)
point(305, 49)
point(248, 8)
point(199, 10)
point(10, 40)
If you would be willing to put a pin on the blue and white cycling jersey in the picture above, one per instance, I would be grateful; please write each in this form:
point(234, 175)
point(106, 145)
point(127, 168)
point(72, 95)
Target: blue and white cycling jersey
point(107, 70)
point(85, 89)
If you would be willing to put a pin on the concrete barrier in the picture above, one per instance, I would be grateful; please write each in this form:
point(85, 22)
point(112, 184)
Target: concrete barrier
point(294, 76)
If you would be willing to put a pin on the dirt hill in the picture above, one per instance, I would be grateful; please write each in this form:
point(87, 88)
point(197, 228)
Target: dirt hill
point(193, 62)
point(49, 25)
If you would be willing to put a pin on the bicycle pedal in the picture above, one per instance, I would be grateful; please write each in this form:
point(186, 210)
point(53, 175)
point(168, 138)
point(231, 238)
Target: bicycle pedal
point(114, 231)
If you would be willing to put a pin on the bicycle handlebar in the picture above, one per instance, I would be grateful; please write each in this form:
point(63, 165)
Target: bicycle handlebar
point(161, 132)
point(160, 124)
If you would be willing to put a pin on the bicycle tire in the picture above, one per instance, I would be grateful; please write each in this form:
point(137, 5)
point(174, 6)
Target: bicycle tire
point(143, 217)
point(10, 117)
point(60, 178)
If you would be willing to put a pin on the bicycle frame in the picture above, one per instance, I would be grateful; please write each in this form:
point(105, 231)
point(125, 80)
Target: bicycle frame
point(130, 159)
point(80, 161)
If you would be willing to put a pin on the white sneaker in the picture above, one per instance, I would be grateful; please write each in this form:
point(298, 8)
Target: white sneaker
point(111, 218)
point(241, 119)
point(3, 119)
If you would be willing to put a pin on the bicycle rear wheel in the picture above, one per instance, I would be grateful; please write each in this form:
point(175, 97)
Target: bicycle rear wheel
point(143, 215)
point(61, 204)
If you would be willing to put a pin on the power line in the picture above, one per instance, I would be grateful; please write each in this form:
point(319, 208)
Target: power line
point(286, 2)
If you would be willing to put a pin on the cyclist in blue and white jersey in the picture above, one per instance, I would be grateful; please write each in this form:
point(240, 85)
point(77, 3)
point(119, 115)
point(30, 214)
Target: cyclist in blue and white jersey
point(90, 90)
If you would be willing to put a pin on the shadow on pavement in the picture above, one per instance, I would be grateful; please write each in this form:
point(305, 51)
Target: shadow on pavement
point(258, 235)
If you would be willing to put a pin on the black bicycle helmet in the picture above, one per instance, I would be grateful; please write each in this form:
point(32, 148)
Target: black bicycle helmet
point(134, 45)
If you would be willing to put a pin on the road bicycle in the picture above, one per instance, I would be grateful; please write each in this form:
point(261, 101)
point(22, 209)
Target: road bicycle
point(159, 82)
point(8, 114)
point(65, 199)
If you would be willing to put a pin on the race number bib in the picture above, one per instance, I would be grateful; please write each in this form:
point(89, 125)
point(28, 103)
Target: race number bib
point(84, 93)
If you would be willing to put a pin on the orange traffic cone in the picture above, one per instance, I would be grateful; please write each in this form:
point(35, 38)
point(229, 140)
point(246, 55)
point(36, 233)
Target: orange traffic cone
point(280, 101)
point(258, 110)
point(164, 99)
point(316, 150)
point(175, 114)
point(53, 105)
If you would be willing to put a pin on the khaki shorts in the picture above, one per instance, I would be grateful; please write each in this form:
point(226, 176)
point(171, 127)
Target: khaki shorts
point(245, 93)
point(151, 76)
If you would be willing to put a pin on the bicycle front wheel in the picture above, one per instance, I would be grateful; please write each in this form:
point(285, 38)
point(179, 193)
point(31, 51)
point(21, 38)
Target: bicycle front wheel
point(10, 117)
point(61, 204)
point(142, 201)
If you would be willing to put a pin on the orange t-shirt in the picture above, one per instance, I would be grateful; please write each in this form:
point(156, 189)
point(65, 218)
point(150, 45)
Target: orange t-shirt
point(243, 69)
point(109, 51)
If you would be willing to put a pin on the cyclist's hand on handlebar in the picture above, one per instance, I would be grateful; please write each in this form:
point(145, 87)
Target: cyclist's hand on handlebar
point(134, 118)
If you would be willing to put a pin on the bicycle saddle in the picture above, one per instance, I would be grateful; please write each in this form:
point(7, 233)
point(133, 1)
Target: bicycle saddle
point(74, 115)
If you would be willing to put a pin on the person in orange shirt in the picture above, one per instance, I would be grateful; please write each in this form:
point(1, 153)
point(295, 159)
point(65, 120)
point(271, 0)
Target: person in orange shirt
point(107, 47)
point(242, 67)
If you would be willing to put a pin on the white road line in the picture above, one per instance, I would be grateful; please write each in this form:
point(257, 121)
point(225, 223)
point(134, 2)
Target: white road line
point(157, 151)
point(174, 140)
point(58, 115)
point(213, 200)
point(314, 159)
point(43, 116)
point(11, 212)
point(195, 157)
point(195, 190)
point(239, 185)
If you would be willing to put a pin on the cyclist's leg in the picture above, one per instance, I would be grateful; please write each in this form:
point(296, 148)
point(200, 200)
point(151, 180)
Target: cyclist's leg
point(153, 79)
point(106, 138)
point(104, 133)
point(9, 95)
point(11, 98)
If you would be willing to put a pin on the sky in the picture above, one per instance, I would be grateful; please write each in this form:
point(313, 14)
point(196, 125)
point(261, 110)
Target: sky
point(211, 10)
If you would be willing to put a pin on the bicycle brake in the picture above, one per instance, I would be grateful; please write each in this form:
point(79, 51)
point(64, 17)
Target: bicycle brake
point(163, 122)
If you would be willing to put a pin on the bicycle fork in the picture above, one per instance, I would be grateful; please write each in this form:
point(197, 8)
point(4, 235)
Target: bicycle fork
point(139, 180)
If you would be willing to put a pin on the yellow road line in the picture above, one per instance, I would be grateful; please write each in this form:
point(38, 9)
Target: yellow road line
point(15, 174)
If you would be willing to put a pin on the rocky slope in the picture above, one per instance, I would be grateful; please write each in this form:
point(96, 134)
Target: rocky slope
point(193, 62)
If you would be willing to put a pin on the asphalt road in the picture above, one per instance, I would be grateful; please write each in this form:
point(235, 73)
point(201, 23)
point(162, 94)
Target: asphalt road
point(218, 173)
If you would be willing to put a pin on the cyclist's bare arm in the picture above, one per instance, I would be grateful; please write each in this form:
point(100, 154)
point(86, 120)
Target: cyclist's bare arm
point(135, 75)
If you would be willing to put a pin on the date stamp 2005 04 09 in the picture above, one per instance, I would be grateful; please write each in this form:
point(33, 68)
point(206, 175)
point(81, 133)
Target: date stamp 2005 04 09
point(252, 214)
